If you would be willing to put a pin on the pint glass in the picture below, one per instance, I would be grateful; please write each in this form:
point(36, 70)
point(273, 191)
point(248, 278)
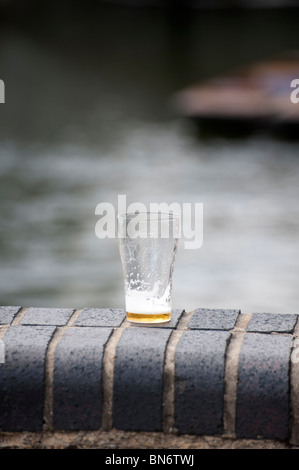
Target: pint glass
point(148, 243)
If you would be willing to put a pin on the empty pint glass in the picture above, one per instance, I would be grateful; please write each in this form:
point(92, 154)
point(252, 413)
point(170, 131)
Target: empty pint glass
point(148, 243)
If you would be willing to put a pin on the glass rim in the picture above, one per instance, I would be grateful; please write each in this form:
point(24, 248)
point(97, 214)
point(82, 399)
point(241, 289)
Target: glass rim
point(159, 214)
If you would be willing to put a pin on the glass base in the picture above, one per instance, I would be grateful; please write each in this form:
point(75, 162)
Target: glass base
point(148, 318)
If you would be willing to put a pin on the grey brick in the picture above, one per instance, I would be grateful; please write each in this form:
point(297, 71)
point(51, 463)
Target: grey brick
point(272, 322)
point(173, 323)
point(199, 381)
point(263, 387)
point(77, 382)
point(7, 314)
point(47, 316)
point(213, 319)
point(138, 379)
point(108, 317)
point(22, 377)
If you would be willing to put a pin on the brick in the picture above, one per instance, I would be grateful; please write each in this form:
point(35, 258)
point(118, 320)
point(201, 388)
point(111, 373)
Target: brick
point(77, 379)
point(107, 317)
point(138, 379)
point(272, 322)
point(22, 377)
point(7, 314)
point(263, 387)
point(47, 316)
point(199, 381)
point(173, 323)
point(213, 319)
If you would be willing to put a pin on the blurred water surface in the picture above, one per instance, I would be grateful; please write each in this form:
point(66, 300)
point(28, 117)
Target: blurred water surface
point(88, 117)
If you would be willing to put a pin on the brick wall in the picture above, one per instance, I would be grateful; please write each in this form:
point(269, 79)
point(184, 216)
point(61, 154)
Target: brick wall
point(89, 378)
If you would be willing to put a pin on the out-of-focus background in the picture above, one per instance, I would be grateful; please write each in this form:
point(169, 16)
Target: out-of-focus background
point(89, 115)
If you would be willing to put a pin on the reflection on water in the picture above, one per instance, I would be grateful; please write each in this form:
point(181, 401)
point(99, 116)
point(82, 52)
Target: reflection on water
point(87, 118)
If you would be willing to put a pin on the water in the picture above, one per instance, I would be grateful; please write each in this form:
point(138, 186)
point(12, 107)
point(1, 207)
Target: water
point(87, 118)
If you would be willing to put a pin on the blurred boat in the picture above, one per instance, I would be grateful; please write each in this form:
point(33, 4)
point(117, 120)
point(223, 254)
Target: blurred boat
point(254, 97)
